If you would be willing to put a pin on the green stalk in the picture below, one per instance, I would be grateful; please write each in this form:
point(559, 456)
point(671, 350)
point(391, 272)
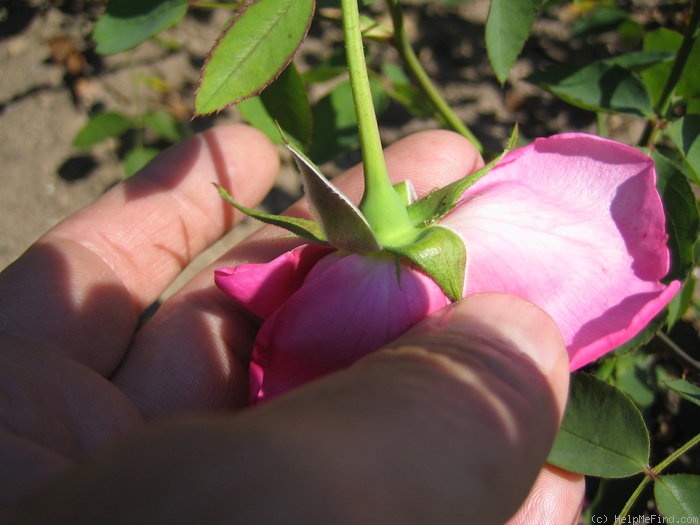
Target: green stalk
point(656, 471)
point(403, 46)
point(381, 204)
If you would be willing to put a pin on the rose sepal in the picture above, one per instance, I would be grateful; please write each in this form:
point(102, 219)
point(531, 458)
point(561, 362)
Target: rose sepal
point(437, 251)
point(343, 224)
point(304, 228)
point(438, 203)
point(440, 253)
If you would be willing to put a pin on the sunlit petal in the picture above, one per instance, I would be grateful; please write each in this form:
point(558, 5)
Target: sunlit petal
point(574, 224)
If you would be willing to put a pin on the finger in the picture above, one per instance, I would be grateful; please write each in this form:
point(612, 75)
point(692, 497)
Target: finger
point(194, 353)
point(449, 424)
point(80, 288)
point(556, 498)
point(462, 411)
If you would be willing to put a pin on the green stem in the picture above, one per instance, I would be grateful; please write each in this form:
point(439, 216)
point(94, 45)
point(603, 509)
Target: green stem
point(656, 471)
point(671, 344)
point(380, 204)
point(634, 497)
point(403, 46)
point(602, 124)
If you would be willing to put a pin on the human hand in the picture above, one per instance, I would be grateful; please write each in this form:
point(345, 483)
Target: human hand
point(450, 423)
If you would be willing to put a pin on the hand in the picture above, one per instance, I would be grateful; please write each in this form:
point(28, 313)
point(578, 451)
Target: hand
point(450, 423)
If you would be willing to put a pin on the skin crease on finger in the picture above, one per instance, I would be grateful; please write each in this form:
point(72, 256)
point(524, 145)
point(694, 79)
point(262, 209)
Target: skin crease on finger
point(448, 424)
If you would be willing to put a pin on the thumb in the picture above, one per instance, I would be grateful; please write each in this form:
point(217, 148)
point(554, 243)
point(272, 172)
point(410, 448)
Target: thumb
point(484, 384)
point(451, 423)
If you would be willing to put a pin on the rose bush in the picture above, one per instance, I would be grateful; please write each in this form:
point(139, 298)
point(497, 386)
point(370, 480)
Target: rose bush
point(572, 223)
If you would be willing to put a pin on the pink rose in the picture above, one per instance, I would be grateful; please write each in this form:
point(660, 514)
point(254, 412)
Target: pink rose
point(572, 223)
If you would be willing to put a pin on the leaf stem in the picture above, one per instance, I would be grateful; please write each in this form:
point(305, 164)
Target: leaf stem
point(403, 46)
point(687, 359)
point(635, 496)
point(656, 471)
point(380, 204)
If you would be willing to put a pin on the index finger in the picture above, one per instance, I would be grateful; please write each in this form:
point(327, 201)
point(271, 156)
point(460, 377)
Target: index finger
point(82, 286)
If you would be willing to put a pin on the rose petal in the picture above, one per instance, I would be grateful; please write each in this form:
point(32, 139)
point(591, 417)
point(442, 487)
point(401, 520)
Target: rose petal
point(574, 224)
point(349, 306)
point(263, 288)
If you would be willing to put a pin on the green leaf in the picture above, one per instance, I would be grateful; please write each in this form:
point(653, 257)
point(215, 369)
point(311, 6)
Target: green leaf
point(686, 390)
point(127, 23)
point(101, 127)
point(689, 83)
point(632, 376)
point(341, 221)
point(252, 52)
point(683, 220)
point(284, 104)
point(604, 18)
point(255, 113)
point(597, 87)
point(603, 434)
point(676, 496)
point(137, 158)
point(164, 124)
point(507, 28)
point(332, 67)
point(400, 88)
point(335, 123)
point(680, 303)
point(302, 227)
point(436, 204)
point(685, 134)
point(441, 254)
point(640, 60)
point(655, 77)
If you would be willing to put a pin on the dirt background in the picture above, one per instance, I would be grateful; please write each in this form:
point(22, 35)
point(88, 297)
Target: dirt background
point(51, 80)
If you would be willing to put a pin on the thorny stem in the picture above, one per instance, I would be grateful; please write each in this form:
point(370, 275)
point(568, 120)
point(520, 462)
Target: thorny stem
point(679, 64)
point(381, 205)
point(403, 46)
point(656, 471)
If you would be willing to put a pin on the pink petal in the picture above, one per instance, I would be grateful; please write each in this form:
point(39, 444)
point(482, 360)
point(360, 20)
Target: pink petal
point(263, 288)
point(349, 306)
point(574, 224)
